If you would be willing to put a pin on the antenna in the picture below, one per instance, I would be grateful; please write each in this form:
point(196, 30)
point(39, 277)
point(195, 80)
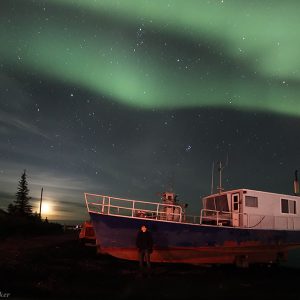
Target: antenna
point(220, 169)
point(212, 178)
point(296, 184)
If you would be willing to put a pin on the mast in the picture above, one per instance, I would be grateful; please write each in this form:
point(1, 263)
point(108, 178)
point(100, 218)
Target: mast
point(212, 178)
point(296, 184)
point(220, 169)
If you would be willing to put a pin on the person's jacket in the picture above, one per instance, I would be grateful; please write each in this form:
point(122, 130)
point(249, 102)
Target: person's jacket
point(144, 241)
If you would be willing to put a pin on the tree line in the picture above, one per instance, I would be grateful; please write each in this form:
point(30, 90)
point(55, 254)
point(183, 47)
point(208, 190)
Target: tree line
point(20, 218)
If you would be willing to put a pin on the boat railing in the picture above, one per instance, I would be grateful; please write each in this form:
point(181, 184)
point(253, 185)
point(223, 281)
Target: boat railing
point(216, 217)
point(246, 220)
point(133, 208)
point(192, 219)
point(108, 205)
point(287, 222)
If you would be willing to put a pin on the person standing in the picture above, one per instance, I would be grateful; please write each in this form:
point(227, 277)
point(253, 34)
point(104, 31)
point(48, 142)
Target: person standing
point(144, 243)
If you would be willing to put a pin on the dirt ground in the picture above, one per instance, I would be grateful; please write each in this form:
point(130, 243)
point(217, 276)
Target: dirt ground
point(58, 267)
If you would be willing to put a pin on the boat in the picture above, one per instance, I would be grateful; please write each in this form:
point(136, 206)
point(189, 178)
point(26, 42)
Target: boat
point(87, 235)
point(241, 226)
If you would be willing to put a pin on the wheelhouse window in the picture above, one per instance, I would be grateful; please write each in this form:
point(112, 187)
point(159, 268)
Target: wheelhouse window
point(222, 203)
point(251, 201)
point(219, 203)
point(210, 204)
point(288, 206)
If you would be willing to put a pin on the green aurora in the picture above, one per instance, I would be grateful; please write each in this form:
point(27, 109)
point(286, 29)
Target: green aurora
point(253, 46)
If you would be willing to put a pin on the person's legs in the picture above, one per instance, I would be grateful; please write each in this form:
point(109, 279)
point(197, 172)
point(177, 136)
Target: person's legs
point(147, 257)
point(141, 258)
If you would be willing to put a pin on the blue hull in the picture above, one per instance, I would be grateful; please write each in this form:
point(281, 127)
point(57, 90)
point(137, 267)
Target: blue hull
point(190, 243)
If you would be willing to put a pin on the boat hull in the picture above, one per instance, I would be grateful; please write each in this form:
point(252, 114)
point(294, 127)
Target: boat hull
point(191, 243)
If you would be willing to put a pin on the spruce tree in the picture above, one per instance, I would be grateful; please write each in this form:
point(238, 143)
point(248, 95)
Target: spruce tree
point(21, 204)
point(11, 209)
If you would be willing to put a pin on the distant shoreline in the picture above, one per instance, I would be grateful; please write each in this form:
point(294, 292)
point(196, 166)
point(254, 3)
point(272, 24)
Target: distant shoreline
point(67, 222)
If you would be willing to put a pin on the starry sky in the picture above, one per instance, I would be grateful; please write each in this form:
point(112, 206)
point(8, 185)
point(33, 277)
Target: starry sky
point(130, 98)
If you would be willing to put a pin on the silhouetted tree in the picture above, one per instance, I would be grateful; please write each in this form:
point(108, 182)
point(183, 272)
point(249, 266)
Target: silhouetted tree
point(21, 205)
point(11, 209)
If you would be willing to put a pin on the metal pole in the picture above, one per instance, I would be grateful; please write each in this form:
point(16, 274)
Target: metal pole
point(212, 178)
point(220, 177)
point(41, 202)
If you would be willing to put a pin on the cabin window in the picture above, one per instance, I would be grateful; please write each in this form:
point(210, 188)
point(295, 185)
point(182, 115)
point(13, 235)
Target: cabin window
point(235, 202)
point(222, 203)
point(285, 206)
point(251, 201)
point(210, 204)
point(219, 203)
point(288, 206)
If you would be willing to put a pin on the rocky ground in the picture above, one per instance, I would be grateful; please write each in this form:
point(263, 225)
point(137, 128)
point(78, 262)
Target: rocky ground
point(58, 267)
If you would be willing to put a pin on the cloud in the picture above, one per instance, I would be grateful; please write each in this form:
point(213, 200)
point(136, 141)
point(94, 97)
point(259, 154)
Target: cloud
point(10, 123)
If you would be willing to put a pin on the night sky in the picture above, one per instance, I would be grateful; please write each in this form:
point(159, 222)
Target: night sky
point(129, 98)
